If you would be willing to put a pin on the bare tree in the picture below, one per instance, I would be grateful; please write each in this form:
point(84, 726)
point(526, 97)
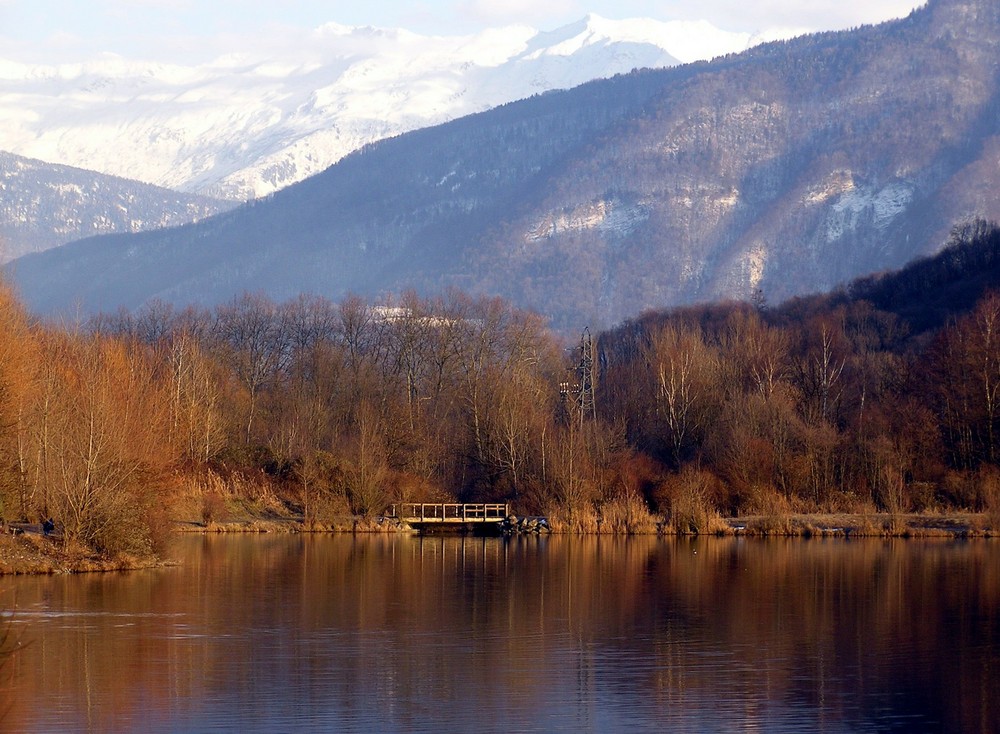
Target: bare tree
point(252, 330)
point(369, 466)
point(683, 369)
point(820, 367)
point(758, 352)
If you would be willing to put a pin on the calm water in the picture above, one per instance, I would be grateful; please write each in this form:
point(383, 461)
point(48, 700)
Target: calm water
point(410, 634)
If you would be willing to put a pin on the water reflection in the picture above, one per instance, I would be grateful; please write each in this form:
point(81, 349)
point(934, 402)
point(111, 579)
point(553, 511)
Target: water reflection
point(282, 633)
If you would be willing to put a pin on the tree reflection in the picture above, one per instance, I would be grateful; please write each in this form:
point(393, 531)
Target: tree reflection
point(400, 633)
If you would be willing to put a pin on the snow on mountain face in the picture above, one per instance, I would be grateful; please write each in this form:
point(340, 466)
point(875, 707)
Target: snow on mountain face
point(246, 125)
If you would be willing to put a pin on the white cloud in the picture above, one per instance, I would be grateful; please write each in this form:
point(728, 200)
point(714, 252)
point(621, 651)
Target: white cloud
point(54, 30)
point(817, 14)
point(530, 12)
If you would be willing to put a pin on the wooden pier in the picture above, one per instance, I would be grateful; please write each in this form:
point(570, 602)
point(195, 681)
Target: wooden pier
point(456, 515)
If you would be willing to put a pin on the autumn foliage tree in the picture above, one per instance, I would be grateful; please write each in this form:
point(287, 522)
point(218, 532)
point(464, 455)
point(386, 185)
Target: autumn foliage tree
point(106, 449)
point(19, 366)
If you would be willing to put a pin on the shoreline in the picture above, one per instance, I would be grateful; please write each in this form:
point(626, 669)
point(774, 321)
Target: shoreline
point(30, 553)
point(862, 525)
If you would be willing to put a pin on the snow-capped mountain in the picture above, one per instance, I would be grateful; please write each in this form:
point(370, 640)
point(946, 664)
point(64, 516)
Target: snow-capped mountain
point(252, 122)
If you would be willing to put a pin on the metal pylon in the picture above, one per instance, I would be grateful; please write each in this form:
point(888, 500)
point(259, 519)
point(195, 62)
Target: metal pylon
point(582, 391)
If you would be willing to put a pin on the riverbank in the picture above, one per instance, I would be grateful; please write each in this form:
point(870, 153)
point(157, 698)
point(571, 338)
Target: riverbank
point(275, 524)
point(35, 553)
point(847, 525)
point(32, 552)
point(873, 525)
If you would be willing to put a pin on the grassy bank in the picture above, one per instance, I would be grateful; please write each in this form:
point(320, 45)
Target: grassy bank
point(33, 553)
point(876, 525)
point(844, 525)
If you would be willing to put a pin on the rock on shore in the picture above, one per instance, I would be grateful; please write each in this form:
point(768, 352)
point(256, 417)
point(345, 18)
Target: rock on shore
point(513, 525)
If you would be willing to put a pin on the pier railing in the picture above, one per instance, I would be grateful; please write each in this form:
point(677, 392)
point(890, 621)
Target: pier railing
point(457, 513)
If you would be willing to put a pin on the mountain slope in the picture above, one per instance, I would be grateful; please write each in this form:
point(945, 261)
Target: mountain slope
point(255, 121)
point(44, 205)
point(402, 208)
point(789, 168)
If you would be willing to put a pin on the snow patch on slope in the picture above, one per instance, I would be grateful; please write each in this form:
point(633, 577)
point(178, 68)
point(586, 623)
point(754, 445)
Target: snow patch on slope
point(611, 217)
point(864, 204)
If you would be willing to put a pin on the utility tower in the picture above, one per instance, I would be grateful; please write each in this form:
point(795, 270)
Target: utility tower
point(582, 390)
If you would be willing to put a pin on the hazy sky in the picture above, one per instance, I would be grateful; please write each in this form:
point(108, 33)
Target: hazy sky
point(191, 30)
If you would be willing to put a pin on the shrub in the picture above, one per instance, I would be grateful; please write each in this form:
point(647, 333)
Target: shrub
point(773, 512)
point(573, 519)
point(988, 483)
point(213, 506)
point(688, 494)
point(627, 515)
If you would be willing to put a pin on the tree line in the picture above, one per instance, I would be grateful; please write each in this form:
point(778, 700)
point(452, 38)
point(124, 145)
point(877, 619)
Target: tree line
point(338, 409)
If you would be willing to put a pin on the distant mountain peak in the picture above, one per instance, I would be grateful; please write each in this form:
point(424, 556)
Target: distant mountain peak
point(255, 120)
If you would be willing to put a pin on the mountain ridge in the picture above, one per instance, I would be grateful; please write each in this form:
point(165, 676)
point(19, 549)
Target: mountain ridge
point(44, 205)
point(252, 122)
point(789, 168)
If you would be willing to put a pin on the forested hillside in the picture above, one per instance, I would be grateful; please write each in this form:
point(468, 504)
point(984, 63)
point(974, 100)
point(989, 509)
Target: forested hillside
point(43, 206)
point(878, 395)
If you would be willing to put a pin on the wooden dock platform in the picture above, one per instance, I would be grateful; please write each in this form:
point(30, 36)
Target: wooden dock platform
point(421, 514)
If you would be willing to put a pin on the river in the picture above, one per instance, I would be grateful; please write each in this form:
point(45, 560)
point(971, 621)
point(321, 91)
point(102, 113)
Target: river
point(282, 633)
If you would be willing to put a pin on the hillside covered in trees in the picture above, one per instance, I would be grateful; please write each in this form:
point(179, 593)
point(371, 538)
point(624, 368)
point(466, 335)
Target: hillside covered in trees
point(44, 205)
point(871, 398)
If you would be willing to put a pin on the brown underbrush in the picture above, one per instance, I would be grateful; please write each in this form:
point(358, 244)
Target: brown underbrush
point(989, 491)
point(864, 525)
point(574, 520)
point(627, 515)
point(34, 553)
point(688, 500)
point(250, 526)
